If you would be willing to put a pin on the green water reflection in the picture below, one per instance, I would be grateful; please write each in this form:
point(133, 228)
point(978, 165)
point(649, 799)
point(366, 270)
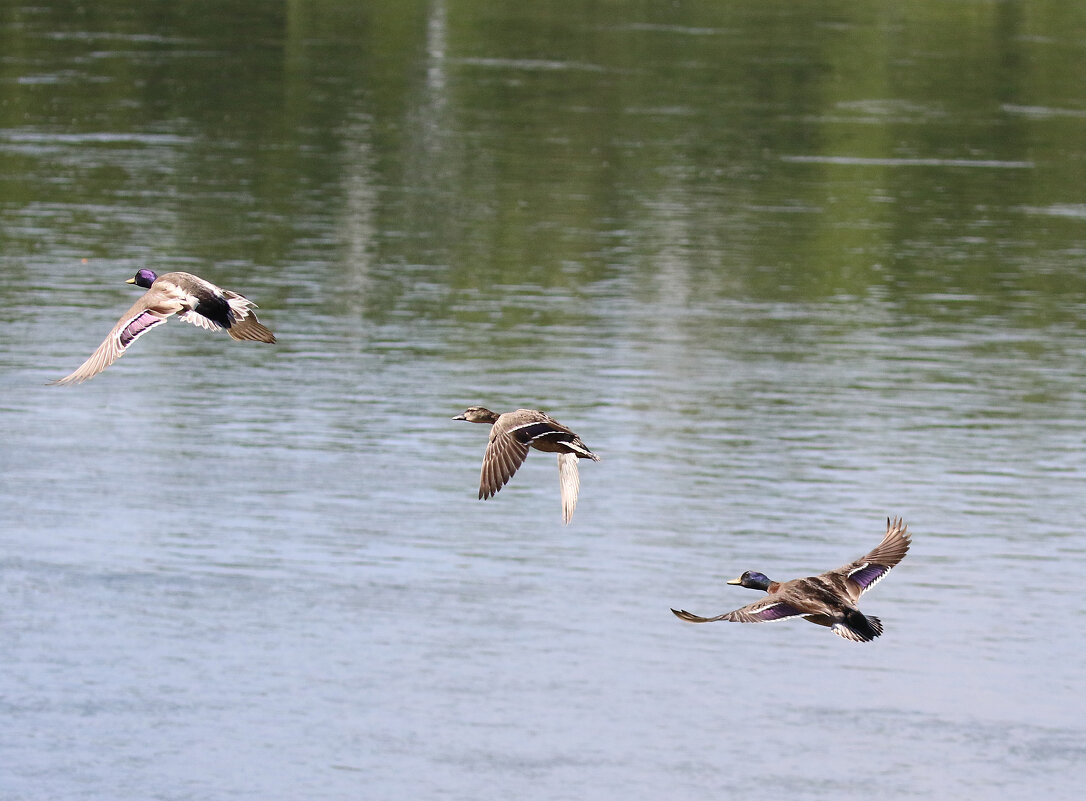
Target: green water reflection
point(765, 150)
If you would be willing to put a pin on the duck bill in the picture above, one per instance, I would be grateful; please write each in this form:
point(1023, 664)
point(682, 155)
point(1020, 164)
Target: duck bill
point(130, 281)
point(460, 417)
point(736, 580)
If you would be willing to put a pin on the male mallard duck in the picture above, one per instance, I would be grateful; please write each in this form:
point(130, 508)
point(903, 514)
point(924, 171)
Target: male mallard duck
point(828, 599)
point(511, 435)
point(191, 298)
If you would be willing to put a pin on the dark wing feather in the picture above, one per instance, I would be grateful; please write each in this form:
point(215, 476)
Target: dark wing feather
point(535, 429)
point(504, 455)
point(543, 432)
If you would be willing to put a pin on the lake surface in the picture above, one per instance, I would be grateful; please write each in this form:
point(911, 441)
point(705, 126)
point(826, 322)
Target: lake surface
point(788, 268)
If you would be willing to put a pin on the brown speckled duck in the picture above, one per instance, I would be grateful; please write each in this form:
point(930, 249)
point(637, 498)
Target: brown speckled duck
point(191, 298)
point(828, 599)
point(512, 434)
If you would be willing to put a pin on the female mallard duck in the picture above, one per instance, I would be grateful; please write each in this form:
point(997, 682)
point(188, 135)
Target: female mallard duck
point(511, 434)
point(191, 298)
point(828, 599)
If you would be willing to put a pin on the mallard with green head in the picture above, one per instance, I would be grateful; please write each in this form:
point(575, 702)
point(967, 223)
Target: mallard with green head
point(828, 599)
point(191, 298)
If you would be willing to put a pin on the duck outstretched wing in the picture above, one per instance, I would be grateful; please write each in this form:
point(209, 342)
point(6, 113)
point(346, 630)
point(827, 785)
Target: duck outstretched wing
point(504, 456)
point(869, 570)
point(144, 315)
point(766, 610)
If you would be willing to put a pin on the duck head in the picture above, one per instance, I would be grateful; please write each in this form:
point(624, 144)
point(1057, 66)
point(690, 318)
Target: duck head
point(753, 581)
point(143, 278)
point(477, 414)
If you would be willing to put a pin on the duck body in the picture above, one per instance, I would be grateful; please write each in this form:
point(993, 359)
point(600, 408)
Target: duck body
point(512, 434)
point(828, 599)
point(193, 299)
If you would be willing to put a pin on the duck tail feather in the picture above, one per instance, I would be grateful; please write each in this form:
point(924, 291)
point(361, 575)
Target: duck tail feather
point(252, 330)
point(858, 627)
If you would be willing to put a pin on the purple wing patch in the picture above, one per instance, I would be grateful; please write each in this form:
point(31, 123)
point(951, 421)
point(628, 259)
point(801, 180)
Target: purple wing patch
point(138, 325)
point(776, 611)
point(868, 575)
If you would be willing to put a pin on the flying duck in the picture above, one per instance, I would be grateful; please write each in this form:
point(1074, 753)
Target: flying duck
point(828, 599)
point(191, 298)
point(511, 434)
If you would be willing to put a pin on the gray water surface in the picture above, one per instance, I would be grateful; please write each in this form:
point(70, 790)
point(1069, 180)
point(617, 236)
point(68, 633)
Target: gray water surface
point(788, 268)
